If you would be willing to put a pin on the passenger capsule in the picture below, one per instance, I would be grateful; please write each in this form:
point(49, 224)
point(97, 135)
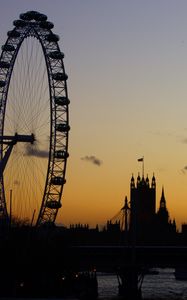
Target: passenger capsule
point(62, 127)
point(57, 180)
point(8, 48)
point(61, 154)
point(52, 37)
point(2, 83)
point(40, 17)
point(25, 17)
point(4, 64)
point(60, 76)
point(19, 23)
point(30, 15)
point(56, 55)
point(53, 204)
point(13, 34)
point(46, 25)
point(62, 101)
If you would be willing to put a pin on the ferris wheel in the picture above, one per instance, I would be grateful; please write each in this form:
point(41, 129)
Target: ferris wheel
point(34, 121)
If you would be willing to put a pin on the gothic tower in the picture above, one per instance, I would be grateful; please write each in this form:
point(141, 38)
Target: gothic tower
point(166, 229)
point(163, 215)
point(143, 205)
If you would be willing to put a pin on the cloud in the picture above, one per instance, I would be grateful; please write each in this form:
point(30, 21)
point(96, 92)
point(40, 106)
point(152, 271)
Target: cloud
point(36, 152)
point(184, 141)
point(92, 159)
point(184, 170)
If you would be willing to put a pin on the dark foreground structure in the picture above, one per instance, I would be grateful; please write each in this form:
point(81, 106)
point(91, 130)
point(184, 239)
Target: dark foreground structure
point(47, 262)
point(36, 264)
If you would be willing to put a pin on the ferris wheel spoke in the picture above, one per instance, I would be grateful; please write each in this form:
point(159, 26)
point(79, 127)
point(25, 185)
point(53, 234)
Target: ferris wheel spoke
point(28, 189)
point(36, 117)
point(28, 92)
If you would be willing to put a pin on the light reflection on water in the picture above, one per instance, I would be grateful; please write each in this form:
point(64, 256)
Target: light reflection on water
point(162, 286)
point(107, 286)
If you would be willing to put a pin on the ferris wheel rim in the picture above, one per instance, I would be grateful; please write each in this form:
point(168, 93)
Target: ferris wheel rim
point(34, 24)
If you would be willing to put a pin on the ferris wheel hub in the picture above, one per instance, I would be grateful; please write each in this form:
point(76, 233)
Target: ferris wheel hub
point(8, 139)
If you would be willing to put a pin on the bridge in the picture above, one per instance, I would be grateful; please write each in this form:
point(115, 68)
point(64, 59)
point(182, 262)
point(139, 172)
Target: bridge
point(130, 263)
point(47, 254)
point(109, 258)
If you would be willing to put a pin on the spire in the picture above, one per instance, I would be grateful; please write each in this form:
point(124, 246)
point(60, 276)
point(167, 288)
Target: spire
point(163, 200)
point(163, 212)
point(153, 184)
point(125, 206)
point(132, 182)
point(126, 203)
point(147, 180)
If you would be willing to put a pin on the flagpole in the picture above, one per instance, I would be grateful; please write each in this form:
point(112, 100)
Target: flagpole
point(142, 160)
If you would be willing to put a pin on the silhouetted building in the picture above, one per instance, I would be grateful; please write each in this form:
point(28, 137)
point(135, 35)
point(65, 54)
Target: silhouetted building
point(113, 227)
point(147, 225)
point(165, 227)
point(184, 229)
point(143, 206)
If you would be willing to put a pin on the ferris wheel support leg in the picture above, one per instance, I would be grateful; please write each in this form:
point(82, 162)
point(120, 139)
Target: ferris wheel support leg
point(3, 162)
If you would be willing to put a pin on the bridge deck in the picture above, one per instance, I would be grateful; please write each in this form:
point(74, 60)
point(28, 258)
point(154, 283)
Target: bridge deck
point(108, 258)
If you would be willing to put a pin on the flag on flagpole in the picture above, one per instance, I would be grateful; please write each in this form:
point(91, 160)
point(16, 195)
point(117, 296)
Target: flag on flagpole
point(140, 159)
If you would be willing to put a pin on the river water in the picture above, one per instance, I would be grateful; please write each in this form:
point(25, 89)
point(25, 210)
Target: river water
point(162, 286)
